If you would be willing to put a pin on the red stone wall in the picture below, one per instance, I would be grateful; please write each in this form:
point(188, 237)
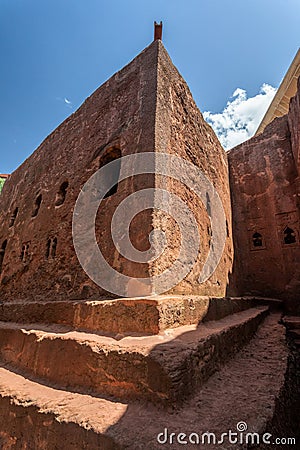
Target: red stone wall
point(294, 121)
point(145, 107)
point(181, 130)
point(265, 203)
point(121, 113)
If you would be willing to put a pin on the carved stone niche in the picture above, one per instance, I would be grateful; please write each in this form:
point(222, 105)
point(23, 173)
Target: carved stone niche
point(288, 229)
point(256, 238)
point(257, 234)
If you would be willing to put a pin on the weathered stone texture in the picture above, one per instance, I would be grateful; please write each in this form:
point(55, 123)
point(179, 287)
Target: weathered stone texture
point(146, 107)
point(124, 316)
point(181, 130)
point(265, 200)
point(119, 114)
point(39, 416)
point(294, 121)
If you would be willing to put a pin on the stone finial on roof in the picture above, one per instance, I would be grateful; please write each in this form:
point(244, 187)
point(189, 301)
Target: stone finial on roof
point(157, 30)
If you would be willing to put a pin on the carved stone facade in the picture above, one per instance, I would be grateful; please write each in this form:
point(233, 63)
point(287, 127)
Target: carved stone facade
point(264, 181)
point(146, 107)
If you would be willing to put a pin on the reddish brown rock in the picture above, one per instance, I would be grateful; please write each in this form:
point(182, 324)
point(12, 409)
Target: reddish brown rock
point(146, 107)
point(249, 388)
point(167, 367)
point(124, 316)
point(264, 181)
point(54, 372)
point(181, 130)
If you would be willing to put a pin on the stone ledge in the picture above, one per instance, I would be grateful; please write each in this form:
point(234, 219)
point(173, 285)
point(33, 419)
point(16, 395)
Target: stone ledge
point(246, 389)
point(148, 315)
point(167, 367)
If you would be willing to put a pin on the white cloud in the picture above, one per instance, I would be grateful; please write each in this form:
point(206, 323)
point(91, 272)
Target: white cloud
point(241, 116)
point(65, 100)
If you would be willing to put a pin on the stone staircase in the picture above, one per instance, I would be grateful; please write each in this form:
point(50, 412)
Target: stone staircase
point(114, 374)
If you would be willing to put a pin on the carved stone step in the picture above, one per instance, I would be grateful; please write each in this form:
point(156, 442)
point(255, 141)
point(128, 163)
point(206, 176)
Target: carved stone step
point(166, 367)
point(148, 315)
point(246, 389)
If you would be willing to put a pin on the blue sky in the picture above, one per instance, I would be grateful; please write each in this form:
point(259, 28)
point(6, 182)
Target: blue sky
point(64, 49)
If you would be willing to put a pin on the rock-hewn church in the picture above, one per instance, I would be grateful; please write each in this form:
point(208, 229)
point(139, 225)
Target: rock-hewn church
point(81, 367)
